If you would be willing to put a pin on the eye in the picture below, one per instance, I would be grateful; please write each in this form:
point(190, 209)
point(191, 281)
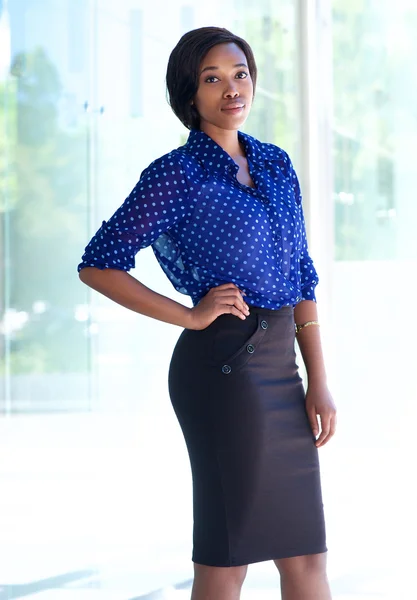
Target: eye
point(207, 80)
point(245, 75)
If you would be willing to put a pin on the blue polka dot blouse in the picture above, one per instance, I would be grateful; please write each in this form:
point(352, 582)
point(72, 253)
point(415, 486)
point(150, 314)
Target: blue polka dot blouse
point(206, 228)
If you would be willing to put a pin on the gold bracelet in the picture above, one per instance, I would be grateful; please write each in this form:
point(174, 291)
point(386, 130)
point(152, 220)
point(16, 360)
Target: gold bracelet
point(298, 328)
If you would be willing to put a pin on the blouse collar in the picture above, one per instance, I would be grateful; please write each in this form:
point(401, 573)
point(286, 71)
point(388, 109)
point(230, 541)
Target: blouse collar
point(213, 157)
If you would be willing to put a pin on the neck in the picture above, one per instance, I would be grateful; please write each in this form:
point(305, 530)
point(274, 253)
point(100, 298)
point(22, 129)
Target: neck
point(226, 138)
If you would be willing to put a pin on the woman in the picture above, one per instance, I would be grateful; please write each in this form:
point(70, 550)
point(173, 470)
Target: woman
point(224, 217)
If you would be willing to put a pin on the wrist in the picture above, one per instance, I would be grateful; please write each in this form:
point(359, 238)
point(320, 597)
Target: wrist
point(317, 379)
point(187, 320)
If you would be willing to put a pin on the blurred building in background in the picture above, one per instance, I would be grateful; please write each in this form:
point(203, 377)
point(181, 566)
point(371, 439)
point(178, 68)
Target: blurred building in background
point(95, 476)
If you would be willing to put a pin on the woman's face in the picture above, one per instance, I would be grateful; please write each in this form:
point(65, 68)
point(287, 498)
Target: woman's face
point(225, 89)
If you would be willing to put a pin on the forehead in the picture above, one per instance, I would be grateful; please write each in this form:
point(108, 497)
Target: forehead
point(224, 53)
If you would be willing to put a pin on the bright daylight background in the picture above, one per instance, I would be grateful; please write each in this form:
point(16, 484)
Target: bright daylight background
point(95, 497)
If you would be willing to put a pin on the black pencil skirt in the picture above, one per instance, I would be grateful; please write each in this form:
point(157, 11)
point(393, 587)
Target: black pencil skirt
point(240, 402)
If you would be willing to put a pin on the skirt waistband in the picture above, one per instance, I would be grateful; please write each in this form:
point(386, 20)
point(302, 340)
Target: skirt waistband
point(271, 312)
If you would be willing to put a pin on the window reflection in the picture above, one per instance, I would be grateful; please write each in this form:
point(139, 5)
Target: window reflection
point(85, 420)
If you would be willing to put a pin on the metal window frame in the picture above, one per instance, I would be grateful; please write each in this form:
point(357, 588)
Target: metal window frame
point(315, 97)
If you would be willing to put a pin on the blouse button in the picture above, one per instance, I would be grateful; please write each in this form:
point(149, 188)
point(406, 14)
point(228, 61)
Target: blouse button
point(264, 324)
point(226, 369)
point(250, 348)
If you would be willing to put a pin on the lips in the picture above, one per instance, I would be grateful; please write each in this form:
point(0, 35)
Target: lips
point(233, 106)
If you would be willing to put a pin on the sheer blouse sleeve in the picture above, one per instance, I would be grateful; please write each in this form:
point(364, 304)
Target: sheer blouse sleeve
point(308, 274)
point(159, 200)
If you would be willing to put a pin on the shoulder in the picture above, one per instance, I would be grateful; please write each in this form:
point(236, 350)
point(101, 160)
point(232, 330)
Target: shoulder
point(167, 170)
point(171, 162)
point(174, 164)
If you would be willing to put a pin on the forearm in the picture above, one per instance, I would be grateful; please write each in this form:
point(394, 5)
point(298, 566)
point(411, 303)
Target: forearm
point(127, 291)
point(309, 342)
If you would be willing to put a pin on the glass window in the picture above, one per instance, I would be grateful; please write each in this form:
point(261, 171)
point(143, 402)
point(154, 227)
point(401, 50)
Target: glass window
point(372, 323)
point(90, 448)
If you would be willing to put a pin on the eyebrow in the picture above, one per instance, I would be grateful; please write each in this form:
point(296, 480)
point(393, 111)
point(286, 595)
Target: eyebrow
point(216, 68)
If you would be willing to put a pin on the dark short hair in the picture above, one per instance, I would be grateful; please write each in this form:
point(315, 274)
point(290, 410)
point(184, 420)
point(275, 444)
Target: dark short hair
point(182, 77)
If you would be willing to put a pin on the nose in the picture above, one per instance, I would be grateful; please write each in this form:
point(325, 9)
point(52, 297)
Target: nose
point(231, 91)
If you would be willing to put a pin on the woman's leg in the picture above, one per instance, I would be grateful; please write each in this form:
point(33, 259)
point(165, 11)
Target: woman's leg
point(304, 577)
point(217, 583)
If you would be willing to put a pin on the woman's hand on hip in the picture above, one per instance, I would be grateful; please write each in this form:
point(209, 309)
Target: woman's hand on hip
point(219, 300)
point(319, 401)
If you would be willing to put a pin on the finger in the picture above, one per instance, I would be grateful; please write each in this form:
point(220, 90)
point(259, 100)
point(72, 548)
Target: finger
point(333, 424)
point(224, 304)
point(325, 429)
point(228, 299)
point(226, 286)
point(234, 311)
point(328, 438)
point(323, 437)
point(228, 292)
point(314, 422)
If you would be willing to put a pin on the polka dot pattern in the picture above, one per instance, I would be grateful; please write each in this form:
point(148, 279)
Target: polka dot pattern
point(206, 228)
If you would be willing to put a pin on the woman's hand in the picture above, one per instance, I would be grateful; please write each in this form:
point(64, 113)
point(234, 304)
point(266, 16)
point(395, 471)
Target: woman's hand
point(320, 402)
point(225, 298)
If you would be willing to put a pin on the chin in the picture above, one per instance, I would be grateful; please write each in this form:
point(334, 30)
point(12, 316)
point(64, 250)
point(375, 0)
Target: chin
point(235, 125)
point(234, 121)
